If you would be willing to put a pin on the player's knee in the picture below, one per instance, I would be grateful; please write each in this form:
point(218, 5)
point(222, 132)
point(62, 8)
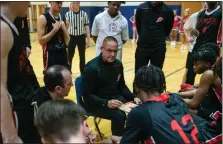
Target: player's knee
point(120, 116)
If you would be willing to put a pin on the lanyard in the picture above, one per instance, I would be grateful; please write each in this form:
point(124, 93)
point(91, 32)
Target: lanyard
point(53, 16)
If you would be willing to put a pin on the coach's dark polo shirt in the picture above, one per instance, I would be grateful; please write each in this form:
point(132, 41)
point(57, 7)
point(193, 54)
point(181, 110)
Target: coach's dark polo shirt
point(104, 81)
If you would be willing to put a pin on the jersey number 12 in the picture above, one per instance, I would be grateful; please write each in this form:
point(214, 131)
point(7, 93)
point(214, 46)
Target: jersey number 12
point(176, 127)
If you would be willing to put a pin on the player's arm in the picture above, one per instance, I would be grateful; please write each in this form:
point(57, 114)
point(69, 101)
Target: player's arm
point(188, 94)
point(67, 20)
point(125, 33)
point(8, 130)
point(95, 30)
point(136, 127)
point(188, 25)
point(65, 32)
point(27, 38)
point(42, 36)
point(169, 22)
point(205, 83)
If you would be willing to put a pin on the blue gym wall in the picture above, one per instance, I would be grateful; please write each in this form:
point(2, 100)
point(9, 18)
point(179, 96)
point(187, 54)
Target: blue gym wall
point(127, 11)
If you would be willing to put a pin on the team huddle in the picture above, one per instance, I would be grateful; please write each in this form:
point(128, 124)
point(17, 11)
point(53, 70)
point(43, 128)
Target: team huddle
point(34, 114)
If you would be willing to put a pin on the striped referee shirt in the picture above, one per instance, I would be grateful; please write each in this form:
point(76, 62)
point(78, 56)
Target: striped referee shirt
point(77, 22)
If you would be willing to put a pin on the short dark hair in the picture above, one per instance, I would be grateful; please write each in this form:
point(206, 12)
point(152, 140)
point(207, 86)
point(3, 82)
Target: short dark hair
point(207, 52)
point(110, 38)
point(53, 77)
point(59, 119)
point(150, 79)
point(122, 2)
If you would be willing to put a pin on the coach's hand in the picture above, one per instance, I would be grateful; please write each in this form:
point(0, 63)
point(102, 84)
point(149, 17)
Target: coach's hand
point(137, 101)
point(56, 26)
point(114, 103)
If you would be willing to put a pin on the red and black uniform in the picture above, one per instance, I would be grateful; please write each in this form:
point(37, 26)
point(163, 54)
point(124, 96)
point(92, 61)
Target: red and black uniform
point(208, 25)
point(211, 107)
point(20, 88)
point(54, 51)
point(166, 119)
point(23, 29)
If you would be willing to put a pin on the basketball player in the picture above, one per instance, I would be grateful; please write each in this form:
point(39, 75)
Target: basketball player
point(191, 34)
point(163, 118)
point(14, 80)
point(208, 24)
point(23, 29)
point(206, 100)
point(53, 36)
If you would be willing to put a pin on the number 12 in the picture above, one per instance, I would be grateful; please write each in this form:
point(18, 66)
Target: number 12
point(176, 127)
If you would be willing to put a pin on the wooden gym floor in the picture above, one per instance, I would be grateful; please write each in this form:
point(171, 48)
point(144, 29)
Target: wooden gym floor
point(173, 69)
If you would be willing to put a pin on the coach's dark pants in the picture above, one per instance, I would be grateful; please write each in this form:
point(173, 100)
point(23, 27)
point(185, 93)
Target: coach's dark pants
point(51, 58)
point(156, 58)
point(190, 77)
point(80, 41)
point(116, 116)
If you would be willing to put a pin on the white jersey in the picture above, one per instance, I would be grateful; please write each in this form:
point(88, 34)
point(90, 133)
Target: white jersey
point(104, 25)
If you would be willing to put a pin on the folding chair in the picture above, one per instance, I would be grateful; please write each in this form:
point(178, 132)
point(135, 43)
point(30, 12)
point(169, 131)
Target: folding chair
point(79, 89)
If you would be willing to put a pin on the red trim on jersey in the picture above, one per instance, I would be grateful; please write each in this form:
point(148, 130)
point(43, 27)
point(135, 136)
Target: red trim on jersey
point(44, 47)
point(216, 115)
point(150, 141)
point(219, 36)
point(214, 140)
point(162, 98)
point(45, 59)
point(218, 92)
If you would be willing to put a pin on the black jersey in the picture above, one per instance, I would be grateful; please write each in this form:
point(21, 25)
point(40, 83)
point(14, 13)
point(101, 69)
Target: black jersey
point(163, 120)
point(211, 106)
point(208, 26)
point(17, 79)
point(57, 42)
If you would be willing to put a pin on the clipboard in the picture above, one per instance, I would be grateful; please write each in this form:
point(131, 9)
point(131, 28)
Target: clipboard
point(127, 107)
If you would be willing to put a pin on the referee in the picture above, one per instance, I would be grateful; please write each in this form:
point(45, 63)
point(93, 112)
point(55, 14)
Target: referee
point(78, 26)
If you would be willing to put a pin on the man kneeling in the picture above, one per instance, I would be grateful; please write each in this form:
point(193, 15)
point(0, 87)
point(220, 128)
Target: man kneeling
point(104, 88)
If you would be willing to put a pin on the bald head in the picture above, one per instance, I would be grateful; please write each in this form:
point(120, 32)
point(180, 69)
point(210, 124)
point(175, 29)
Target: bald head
point(54, 76)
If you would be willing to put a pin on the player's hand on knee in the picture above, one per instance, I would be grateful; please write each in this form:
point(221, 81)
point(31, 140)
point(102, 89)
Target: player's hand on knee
point(56, 26)
point(114, 103)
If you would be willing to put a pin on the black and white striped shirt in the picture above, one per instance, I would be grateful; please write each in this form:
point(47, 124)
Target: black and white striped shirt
point(77, 21)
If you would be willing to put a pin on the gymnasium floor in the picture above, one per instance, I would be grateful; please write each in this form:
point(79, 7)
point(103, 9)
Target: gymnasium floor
point(173, 69)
